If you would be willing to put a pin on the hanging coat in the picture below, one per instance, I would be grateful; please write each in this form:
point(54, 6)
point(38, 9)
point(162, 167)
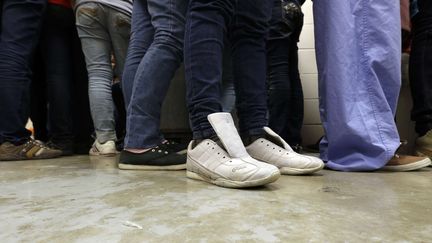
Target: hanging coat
point(358, 47)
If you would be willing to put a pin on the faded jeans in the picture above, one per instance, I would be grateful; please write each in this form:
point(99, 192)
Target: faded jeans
point(103, 31)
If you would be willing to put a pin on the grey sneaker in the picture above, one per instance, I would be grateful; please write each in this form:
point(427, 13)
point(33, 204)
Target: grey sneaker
point(274, 150)
point(32, 149)
point(423, 145)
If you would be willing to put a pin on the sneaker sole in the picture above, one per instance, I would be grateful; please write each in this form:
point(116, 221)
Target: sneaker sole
point(421, 154)
point(151, 167)
point(235, 184)
point(409, 167)
point(33, 158)
point(295, 171)
point(93, 153)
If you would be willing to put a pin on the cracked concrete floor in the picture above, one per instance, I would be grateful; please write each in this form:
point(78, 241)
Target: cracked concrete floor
point(83, 199)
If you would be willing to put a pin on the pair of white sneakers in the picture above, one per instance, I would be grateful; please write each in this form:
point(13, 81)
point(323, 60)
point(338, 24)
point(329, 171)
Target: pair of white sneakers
point(237, 166)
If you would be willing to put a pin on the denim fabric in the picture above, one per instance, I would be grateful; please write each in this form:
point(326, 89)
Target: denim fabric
point(21, 21)
point(57, 40)
point(413, 8)
point(155, 53)
point(102, 30)
point(228, 91)
point(206, 27)
point(359, 81)
point(284, 84)
point(420, 68)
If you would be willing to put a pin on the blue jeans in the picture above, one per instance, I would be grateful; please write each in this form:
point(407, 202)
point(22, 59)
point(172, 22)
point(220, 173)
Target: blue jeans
point(155, 53)
point(228, 99)
point(102, 30)
point(207, 23)
point(285, 91)
point(58, 36)
point(21, 21)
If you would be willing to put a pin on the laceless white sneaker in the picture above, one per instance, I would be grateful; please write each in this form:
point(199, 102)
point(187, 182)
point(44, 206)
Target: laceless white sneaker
point(208, 162)
point(105, 149)
point(277, 152)
point(233, 167)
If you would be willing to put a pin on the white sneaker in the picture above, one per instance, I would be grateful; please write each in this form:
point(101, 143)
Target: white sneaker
point(106, 149)
point(232, 167)
point(277, 152)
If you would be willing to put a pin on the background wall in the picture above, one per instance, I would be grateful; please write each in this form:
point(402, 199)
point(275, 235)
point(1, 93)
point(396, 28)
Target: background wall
point(312, 129)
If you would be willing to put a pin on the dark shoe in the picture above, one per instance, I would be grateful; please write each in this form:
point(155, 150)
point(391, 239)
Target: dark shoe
point(67, 148)
point(32, 149)
point(168, 156)
point(313, 148)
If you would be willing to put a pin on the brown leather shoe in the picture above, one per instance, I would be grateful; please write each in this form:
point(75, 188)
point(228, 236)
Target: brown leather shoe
point(32, 149)
point(406, 163)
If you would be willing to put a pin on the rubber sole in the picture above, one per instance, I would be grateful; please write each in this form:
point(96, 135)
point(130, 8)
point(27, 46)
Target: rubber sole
point(235, 184)
point(295, 171)
point(5, 158)
point(419, 152)
point(409, 167)
point(93, 153)
point(151, 167)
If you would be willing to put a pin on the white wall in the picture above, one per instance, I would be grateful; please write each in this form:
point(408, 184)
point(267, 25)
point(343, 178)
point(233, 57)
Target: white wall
point(312, 129)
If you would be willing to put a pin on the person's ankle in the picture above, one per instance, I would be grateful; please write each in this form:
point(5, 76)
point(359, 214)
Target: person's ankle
point(249, 139)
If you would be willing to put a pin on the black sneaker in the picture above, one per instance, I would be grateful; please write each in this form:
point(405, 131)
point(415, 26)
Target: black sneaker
point(67, 148)
point(32, 149)
point(167, 156)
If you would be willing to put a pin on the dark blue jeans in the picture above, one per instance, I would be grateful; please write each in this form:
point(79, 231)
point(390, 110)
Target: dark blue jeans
point(246, 21)
point(21, 21)
point(284, 84)
point(420, 68)
point(155, 53)
point(58, 36)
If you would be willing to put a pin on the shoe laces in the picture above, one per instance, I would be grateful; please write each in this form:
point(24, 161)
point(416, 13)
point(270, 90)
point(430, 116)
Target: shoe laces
point(160, 149)
point(33, 142)
point(402, 143)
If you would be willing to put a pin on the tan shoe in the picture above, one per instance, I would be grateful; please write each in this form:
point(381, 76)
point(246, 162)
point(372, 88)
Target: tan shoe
point(401, 163)
point(423, 145)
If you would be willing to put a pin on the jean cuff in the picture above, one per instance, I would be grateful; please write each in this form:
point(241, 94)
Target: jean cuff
point(105, 136)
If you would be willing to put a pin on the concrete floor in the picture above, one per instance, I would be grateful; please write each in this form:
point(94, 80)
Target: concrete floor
point(82, 199)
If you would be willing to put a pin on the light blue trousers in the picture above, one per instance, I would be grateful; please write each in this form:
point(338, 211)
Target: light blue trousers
point(358, 47)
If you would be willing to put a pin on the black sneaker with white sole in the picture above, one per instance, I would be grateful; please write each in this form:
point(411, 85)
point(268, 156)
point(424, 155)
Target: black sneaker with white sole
point(167, 156)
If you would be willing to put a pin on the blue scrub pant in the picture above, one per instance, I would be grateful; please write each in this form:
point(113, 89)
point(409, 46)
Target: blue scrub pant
point(358, 47)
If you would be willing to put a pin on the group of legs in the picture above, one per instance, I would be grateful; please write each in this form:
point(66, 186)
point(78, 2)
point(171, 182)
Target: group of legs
point(359, 78)
point(357, 115)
